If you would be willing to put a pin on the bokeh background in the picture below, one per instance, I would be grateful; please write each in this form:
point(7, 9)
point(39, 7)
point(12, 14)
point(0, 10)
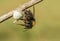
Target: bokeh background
point(47, 26)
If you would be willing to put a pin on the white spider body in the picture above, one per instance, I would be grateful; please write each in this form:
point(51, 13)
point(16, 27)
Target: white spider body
point(17, 15)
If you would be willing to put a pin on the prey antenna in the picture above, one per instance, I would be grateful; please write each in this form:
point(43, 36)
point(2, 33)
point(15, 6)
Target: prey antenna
point(33, 11)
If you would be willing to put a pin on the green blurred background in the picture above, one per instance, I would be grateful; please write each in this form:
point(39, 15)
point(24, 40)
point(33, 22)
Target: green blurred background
point(47, 26)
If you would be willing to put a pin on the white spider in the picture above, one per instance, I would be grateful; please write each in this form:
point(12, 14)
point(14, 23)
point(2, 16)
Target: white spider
point(17, 15)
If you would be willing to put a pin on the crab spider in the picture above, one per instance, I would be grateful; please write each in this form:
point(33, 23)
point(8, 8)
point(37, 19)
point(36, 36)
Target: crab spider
point(17, 15)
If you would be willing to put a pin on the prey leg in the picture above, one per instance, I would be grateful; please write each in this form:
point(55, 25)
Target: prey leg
point(21, 24)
